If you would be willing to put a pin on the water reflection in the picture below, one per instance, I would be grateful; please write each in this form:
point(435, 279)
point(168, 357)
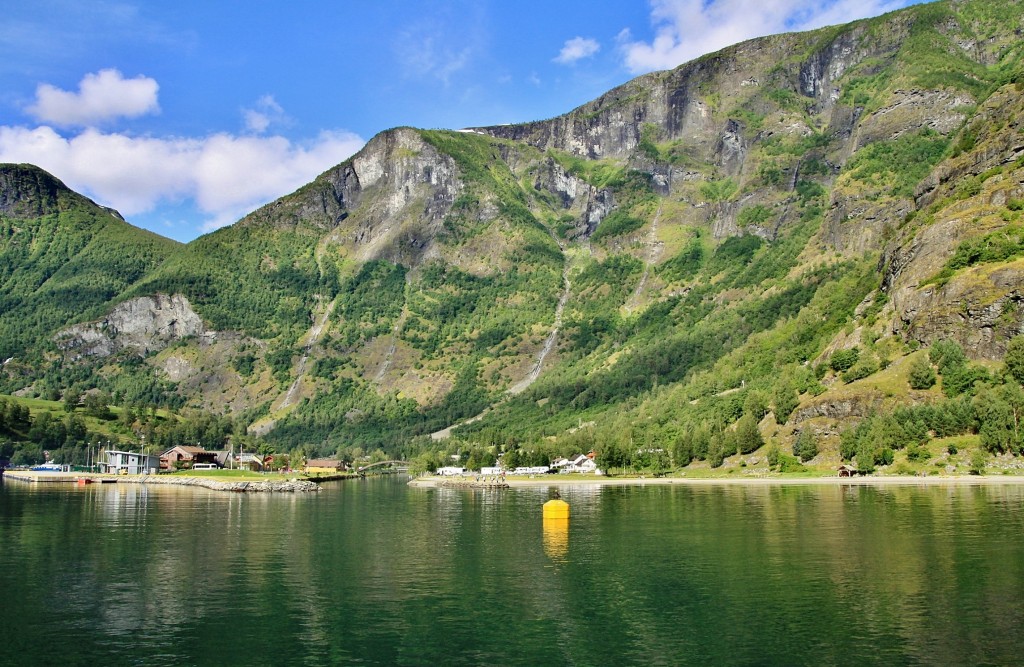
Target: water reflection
point(380, 573)
point(556, 538)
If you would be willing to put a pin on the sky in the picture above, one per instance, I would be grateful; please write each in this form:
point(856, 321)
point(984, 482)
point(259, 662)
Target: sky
point(187, 115)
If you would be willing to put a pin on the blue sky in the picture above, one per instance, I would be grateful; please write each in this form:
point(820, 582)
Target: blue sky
point(187, 115)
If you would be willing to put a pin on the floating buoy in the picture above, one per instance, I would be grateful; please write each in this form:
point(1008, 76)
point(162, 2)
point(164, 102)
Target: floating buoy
point(556, 527)
point(556, 509)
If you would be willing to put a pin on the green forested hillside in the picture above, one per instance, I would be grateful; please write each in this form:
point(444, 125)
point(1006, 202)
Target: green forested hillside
point(756, 260)
point(63, 259)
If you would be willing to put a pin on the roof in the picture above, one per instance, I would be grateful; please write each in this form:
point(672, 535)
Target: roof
point(189, 449)
point(323, 463)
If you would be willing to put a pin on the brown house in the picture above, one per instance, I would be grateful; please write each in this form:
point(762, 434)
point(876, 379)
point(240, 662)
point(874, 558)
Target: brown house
point(314, 466)
point(185, 456)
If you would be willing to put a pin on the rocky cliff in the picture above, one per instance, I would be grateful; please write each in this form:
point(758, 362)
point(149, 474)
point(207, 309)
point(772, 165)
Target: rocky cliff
point(756, 209)
point(142, 326)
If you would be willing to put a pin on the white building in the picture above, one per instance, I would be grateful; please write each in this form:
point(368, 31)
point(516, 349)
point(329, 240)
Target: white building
point(530, 470)
point(561, 463)
point(130, 463)
point(581, 463)
point(451, 471)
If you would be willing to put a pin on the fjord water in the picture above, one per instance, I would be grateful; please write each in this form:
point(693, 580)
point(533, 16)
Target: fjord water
point(376, 572)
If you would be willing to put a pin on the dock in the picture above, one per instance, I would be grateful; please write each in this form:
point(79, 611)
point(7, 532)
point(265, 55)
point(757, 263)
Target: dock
point(51, 477)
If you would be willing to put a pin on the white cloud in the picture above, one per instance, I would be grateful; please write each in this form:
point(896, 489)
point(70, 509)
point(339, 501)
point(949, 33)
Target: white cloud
point(686, 29)
point(101, 97)
point(227, 176)
point(445, 42)
point(265, 112)
point(423, 55)
point(576, 49)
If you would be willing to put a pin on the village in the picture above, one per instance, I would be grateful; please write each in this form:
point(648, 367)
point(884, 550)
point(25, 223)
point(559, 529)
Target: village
point(187, 458)
point(581, 463)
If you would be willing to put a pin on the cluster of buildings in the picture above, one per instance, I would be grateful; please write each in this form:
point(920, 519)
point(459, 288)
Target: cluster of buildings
point(581, 463)
point(196, 458)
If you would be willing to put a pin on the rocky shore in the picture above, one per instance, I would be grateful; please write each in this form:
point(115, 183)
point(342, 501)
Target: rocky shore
point(267, 486)
point(429, 481)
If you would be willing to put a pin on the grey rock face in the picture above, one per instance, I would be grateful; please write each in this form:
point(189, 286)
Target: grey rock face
point(142, 325)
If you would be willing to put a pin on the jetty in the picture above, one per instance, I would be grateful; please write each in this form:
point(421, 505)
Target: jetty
point(282, 485)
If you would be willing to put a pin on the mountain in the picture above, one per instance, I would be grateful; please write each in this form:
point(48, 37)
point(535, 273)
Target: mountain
point(63, 259)
point(773, 230)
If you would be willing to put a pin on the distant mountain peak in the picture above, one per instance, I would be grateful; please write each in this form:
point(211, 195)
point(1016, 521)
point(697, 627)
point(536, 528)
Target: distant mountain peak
point(28, 191)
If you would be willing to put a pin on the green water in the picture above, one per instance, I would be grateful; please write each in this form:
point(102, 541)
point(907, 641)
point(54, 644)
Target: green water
point(375, 572)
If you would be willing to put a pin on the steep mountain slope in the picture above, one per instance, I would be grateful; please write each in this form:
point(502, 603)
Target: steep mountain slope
point(689, 251)
point(62, 259)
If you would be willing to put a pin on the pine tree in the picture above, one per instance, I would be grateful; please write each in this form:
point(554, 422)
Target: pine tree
point(1015, 359)
point(748, 437)
point(805, 446)
point(785, 400)
point(922, 375)
point(865, 457)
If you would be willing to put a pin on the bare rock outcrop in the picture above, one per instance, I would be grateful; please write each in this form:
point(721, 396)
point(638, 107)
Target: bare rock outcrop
point(142, 325)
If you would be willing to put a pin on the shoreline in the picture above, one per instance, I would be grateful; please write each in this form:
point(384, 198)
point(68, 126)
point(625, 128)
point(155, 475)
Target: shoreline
point(229, 486)
point(435, 481)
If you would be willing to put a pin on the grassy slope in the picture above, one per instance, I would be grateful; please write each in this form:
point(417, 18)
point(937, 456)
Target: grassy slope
point(658, 374)
point(726, 320)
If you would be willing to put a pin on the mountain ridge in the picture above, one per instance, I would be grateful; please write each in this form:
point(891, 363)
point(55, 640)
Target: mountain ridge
point(726, 225)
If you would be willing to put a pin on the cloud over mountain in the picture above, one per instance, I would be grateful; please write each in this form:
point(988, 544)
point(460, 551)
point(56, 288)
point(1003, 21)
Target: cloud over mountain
point(224, 175)
point(102, 96)
point(686, 29)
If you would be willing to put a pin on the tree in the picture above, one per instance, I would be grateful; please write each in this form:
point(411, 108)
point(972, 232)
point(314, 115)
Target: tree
point(701, 442)
point(97, 405)
point(716, 450)
point(842, 360)
point(786, 400)
point(998, 420)
point(947, 354)
point(611, 455)
point(922, 375)
point(71, 398)
point(1015, 359)
point(682, 450)
point(748, 437)
point(961, 379)
point(805, 446)
point(756, 404)
point(27, 455)
point(127, 416)
point(513, 459)
point(979, 459)
point(865, 457)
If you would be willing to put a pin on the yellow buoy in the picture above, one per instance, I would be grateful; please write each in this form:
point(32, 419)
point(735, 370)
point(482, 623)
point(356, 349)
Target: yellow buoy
point(556, 509)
